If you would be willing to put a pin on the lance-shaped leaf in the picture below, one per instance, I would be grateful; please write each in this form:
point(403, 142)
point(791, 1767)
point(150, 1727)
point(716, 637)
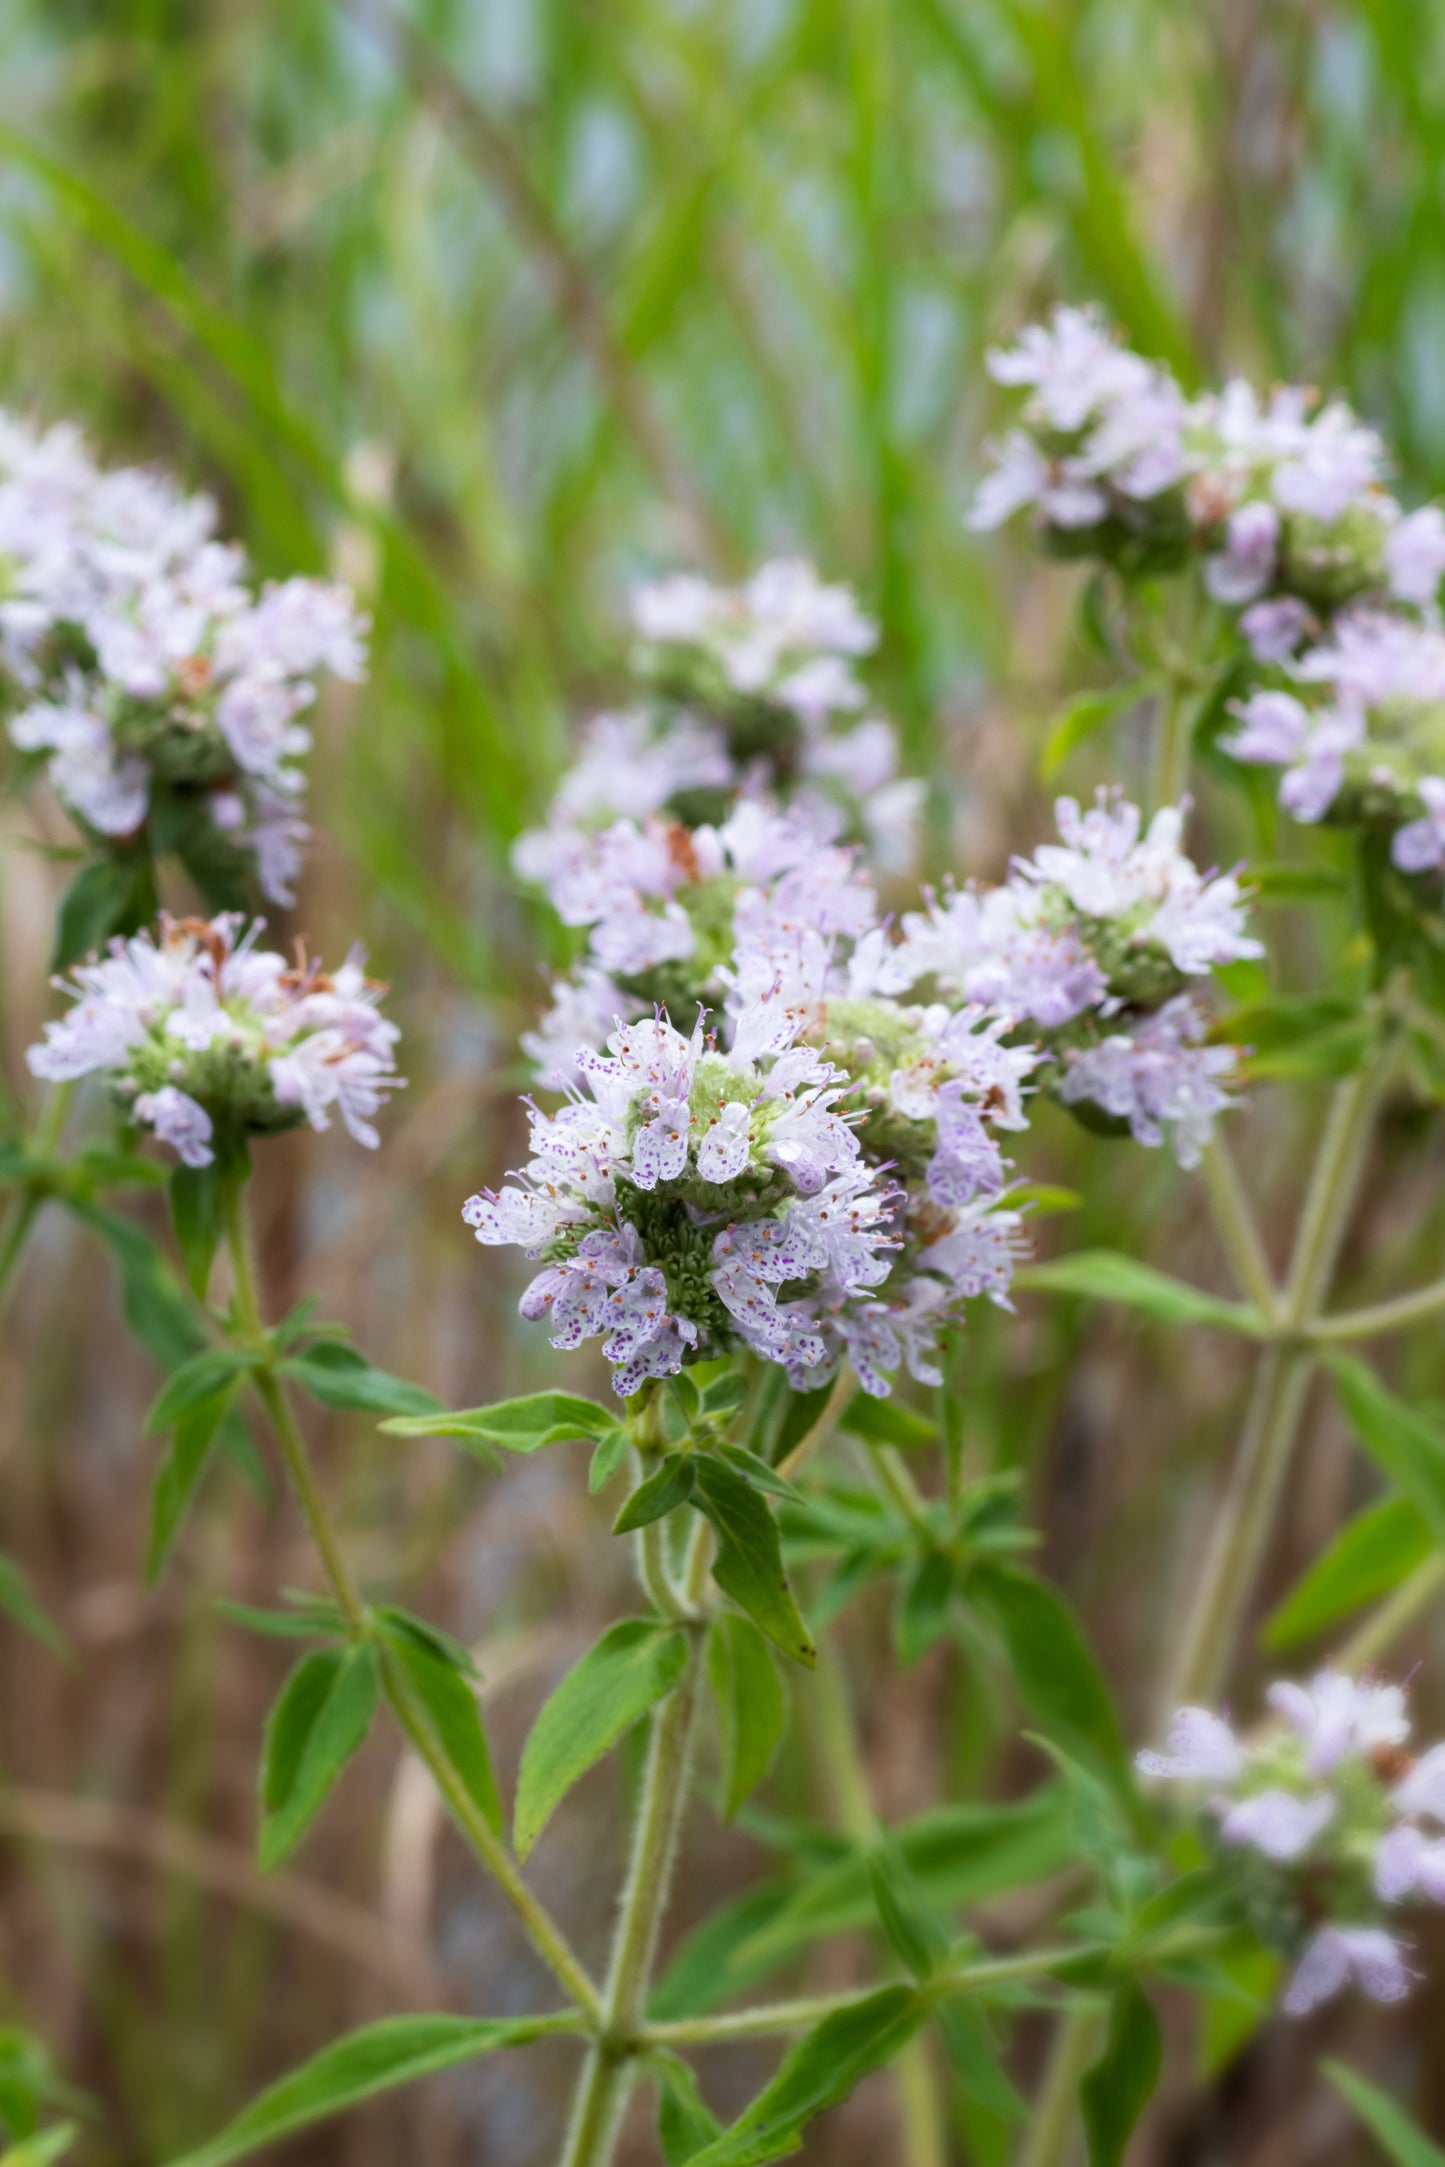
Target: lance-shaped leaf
point(339, 1375)
point(179, 1473)
point(17, 1602)
point(371, 2060)
point(1055, 1671)
point(685, 2125)
point(1116, 2090)
point(749, 1561)
point(1404, 1442)
point(205, 1375)
point(323, 1715)
point(1111, 1277)
point(668, 1486)
point(816, 2074)
point(1367, 1559)
point(521, 1425)
point(635, 1664)
point(752, 1709)
point(440, 1676)
point(1406, 2145)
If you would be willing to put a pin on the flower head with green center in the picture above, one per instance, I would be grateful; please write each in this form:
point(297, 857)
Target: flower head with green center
point(202, 1033)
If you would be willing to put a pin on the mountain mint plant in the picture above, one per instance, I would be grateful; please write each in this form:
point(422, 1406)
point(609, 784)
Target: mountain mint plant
point(790, 1111)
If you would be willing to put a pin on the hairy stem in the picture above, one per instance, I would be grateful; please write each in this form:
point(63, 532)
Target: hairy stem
point(920, 2114)
point(1246, 1516)
point(982, 1977)
point(545, 1936)
point(1381, 1317)
point(611, 2064)
point(1238, 1233)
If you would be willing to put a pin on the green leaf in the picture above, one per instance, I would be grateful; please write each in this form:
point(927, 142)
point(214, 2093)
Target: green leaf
point(196, 1215)
point(1116, 2090)
point(887, 1422)
point(923, 1606)
point(17, 1602)
point(1109, 1276)
point(368, 2061)
point(667, 1487)
point(1406, 2145)
point(1366, 1560)
point(725, 1395)
point(759, 1473)
point(749, 1561)
point(41, 2149)
point(112, 894)
point(817, 2073)
point(684, 2124)
point(608, 1455)
point(523, 1425)
point(958, 1854)
point(341, 1376)
point(914, 1934)
point(206, 1375)
point(752, 1707)
point(322, 1619)
point(179, 1473)
point(324, 1713)
point(450, 1702)
point(1055, 1671)
point(1406, 1444)
point(156, 1307)
point(635, 1664)
point(1081, 718)
point(971, 2050)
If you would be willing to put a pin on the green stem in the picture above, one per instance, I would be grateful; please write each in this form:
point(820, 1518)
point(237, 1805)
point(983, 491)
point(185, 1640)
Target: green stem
point(901, 1487)
point(1179, 707)
point(919, 2113)
point(546, 1937)
point(1246, 1516)
point(1238, 1233)
point(1381, 1317)
point(611, 2064)
point(1055, 2117)
point(988, 1974)
point(25, 1209)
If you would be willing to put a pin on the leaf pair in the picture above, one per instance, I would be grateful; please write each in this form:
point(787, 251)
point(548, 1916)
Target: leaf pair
point(724, 1486)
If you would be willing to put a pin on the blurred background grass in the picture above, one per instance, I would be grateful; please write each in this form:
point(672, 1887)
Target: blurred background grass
point(495, 307)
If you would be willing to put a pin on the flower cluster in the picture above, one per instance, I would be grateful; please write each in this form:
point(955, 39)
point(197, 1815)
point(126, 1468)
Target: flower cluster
point(1326, 1822)
point(694, 1200)
point(1095, 940)
point(1357, 724)
point(203, 1034)
point(166, 693)
point(1282, 500)
point(745, 690)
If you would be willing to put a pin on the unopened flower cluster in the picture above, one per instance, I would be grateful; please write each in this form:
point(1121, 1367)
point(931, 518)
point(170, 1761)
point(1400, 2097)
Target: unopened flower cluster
point(1327, 1823)
point(160, 686)
point(749, 690)
point(203, 1030)
point(1282, 502)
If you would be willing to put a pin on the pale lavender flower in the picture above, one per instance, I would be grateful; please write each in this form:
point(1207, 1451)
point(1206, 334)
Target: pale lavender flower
point(1158, 1077)
point(1277, 1823)
point(1276, 628)
point(1244, 568)
point(1407, 1860)
point(1415, 556)
point(204, 1028)
point(1341, 1718)
point(1202, 1748)
point(1419, 847)
point(1338, 1954)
